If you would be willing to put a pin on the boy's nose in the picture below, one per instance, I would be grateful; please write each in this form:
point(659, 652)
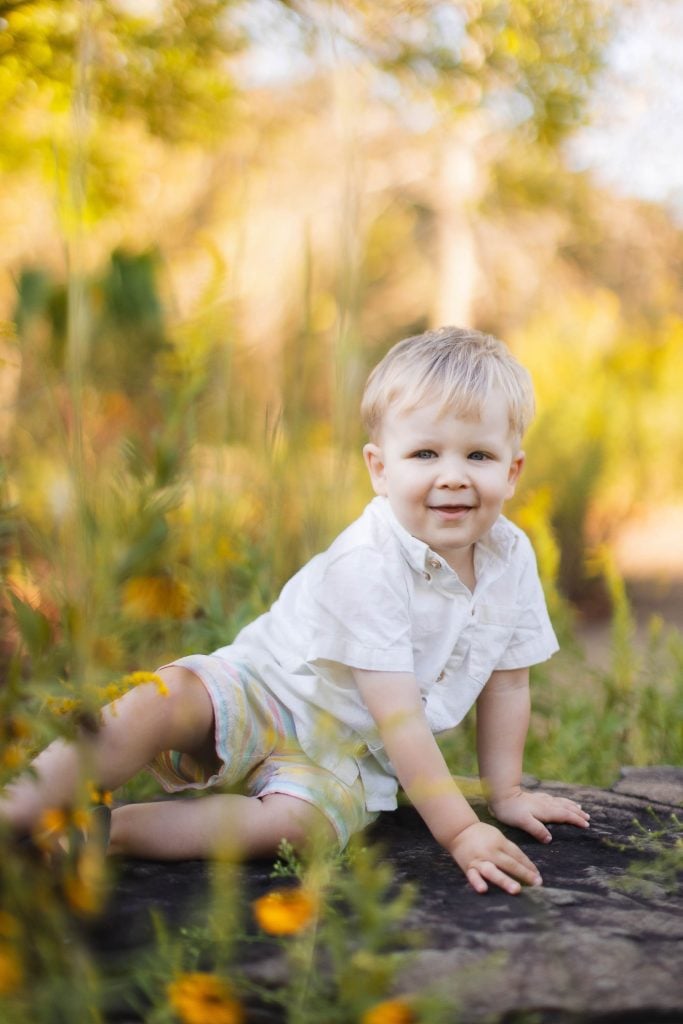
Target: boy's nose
point(452, 474)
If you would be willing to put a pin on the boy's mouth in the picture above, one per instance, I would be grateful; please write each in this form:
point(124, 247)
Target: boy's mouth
point(451, 511)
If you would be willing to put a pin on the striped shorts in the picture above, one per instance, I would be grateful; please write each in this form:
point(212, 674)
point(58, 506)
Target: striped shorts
point(257, 745)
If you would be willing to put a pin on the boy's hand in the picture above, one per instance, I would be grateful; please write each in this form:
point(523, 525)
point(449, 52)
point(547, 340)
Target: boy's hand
point(531, 810)
point(485, 855)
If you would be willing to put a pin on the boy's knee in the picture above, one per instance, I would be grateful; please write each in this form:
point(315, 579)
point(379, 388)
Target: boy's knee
point(178, 682)
point(185, 697)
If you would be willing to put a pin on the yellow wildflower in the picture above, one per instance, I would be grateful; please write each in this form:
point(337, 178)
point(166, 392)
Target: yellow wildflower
point(53, 821)
point(79, 819)
point(17, 728)
point(203, 998)
point(111, 692)
point(99, 796)
point(138, 678)
point(156, 597)
point(11, 973)
point(54, 824)
point(12, 756)
point(285, 911)
point(391, 1011)
point(64, 705)
point(84, 887)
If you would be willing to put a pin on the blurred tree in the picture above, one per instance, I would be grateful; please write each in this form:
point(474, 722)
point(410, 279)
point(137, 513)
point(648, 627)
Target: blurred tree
point(476, 76)
point(160, 64)
point(166, 66)
point(484, 90)
point(531, 61)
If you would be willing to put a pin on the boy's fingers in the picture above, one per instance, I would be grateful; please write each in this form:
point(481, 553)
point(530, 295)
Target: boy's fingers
point(476, 881)
point(512, 854)
point(520, 867)
point(536, 829)
point(493, 874)
point(560, 805)
point(575, 818)
point(567, 812)
point(489, 872)
point(506, 871)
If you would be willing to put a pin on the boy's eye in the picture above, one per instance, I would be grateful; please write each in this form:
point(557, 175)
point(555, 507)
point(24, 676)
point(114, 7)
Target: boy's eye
point(424, 453)
point(478, 456)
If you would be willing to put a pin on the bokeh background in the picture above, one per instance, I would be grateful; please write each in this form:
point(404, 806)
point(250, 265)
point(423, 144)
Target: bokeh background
point(217, 215)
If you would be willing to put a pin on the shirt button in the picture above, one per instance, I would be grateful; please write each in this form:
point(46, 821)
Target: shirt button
point(427, 576)
point(435, 563)
point(441, 675)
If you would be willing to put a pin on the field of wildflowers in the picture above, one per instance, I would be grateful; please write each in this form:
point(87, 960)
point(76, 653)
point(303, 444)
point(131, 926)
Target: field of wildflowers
point(129, 536)
point(197, 276)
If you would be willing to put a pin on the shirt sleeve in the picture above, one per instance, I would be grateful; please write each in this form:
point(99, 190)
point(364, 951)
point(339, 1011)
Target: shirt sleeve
point(359, 613)
point(533, 639)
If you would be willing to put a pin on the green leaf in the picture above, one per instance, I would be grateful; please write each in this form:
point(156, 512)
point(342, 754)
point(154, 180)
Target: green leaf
point(35, 628)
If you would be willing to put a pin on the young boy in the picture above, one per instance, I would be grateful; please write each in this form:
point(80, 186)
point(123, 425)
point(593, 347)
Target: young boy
point(428, 603)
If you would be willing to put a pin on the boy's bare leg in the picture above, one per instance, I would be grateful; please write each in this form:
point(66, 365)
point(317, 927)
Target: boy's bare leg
point(134, 729)
point(222, 824)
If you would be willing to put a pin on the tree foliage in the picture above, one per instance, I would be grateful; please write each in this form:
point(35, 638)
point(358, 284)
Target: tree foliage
point(74, 73)
point(162, 69)
point(534, 61)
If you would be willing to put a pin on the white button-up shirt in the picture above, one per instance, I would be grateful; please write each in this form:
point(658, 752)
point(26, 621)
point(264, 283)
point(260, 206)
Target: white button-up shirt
point(380, 599)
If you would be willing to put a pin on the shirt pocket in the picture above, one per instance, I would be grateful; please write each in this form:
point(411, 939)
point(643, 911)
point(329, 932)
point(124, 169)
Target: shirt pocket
point(495, 626)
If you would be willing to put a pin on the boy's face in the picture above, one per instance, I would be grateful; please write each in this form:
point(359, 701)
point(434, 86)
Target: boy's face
point(446, 478)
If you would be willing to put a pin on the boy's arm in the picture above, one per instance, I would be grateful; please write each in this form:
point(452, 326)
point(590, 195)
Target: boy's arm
point(482, 851)
point(503, 711)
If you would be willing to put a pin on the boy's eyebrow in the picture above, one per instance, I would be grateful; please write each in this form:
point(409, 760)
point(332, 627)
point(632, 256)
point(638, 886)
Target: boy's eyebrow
point(415, 444)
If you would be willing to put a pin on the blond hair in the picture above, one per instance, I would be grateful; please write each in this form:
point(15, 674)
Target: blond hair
point(453, 365)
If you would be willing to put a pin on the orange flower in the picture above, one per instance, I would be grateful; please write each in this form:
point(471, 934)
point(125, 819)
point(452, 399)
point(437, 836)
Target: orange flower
point(12, 756)
point(11, 973)
point(202, 998)
point(52, 823)
point(85, 888)
point(99, 796)
point(156, 597)
point(17, 728)
point(285, 911)
point(392, 1011)
point(79, 819)
point(53, 826)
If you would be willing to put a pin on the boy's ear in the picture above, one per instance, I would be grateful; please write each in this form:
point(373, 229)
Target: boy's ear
point(372, 453)
point(516, 467)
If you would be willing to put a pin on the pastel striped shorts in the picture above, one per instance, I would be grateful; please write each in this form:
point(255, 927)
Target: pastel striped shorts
point(257, 745)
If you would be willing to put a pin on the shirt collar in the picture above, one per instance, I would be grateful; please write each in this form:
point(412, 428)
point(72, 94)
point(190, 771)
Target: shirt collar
point(492, 551)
